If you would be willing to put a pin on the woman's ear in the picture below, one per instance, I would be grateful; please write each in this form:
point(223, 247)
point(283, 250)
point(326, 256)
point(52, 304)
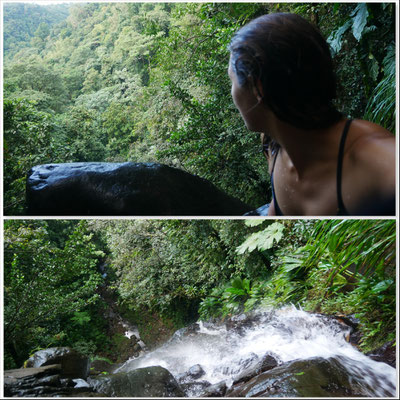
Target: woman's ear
point(258, 90)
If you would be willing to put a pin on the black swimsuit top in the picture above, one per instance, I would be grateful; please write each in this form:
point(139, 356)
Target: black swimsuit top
point(341, 208)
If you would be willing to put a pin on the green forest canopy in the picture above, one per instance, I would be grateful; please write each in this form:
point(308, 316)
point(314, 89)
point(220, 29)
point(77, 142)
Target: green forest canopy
point(147, 82)
point(171, 272)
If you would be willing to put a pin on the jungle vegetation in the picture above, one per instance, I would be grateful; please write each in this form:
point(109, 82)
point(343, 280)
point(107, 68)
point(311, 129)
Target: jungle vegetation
point(164, 274)
point(147, 82)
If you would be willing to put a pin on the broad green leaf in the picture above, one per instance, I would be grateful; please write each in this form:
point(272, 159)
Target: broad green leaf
point(335, 39)
point(360, 18)
point(254, 222)
point(236, 291)
point(382, 286)
point(263, 240)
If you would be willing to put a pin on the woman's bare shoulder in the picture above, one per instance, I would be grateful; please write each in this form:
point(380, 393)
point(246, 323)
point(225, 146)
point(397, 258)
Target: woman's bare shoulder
point(371, 158)
point(372, 146)
point(369, 130)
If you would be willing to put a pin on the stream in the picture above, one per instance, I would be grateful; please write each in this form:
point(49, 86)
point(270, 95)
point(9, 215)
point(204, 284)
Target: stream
point(222, 351)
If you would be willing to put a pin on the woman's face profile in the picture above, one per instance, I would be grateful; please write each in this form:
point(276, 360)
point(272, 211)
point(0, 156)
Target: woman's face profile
point(246, 101)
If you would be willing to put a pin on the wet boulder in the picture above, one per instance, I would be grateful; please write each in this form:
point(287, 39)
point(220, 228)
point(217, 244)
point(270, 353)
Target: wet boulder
point(73, 364)
point(43, 381)
point(196, 371)
point(189, 382)
point(239, 323)
point(216, 390)
point(142, 382)
point(192, 389)
point(124, 189)
point(188, 331)
point(385, 353)
point(314, 377)
point(102, 366)
point(243, 364)
point(265, 364)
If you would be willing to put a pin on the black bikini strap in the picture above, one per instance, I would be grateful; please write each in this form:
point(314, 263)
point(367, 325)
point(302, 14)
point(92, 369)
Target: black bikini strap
point(277, 209)
point(273, 165)
point(341, 207)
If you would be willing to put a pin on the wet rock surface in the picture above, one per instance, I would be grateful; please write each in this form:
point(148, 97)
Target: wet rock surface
point(191, 389)
point(385, 353)
point(237, 371)
point(316, 377)
point(124, 189)
point(265, 364)
point(73, 364)
point(239, 323)
point(142, 382)
point(217, 390)
point(44, 381)
point(194, 372)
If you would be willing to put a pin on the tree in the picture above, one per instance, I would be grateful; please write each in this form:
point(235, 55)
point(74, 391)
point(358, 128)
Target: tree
point(83, 136)
point(168, 266)
point(33, 79)
point(43, 283)
point(21, 21)
point(27, 142)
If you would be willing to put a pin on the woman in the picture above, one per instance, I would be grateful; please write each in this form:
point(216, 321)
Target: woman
point(320, 163)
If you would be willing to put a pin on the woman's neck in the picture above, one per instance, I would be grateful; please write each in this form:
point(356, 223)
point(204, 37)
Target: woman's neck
point(301, 148)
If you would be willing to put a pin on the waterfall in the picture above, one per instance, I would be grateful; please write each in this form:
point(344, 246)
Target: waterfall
point(223, 350)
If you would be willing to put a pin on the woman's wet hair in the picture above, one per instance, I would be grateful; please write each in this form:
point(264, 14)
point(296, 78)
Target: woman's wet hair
point(294, 64)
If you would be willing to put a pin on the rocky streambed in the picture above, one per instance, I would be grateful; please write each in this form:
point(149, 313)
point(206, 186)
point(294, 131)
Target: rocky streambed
point(276, 353)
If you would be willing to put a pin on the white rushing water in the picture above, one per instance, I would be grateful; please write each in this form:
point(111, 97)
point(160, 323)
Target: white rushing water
point(288, 334)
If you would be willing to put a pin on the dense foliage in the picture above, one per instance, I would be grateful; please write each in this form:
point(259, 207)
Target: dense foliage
point(26, 24)
point(328, 266)
point(180, 270)
point(50, 279)
point(160, 272)
point(148, 82)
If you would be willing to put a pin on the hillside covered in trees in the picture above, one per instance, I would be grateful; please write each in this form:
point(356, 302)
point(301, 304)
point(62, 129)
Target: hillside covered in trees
point(147, 82)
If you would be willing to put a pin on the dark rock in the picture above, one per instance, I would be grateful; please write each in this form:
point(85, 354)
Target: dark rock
point(190, 330)
point(67, 382)
point(265, 364)
point(13, 375)
point(99, 366)
point(351, 320)
point(40, 382)
point(52, 380)
point(83, 395)
point(73, 364)
point(124, 189)
point(347, 321)
point(216, 390)
point(354, 338)
point(141, 382)
point(192, 389)
point(246, 362)
point(315, 377)
point(196, 371)
point(240, 323)
point(385, 353)
point(348, 324)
